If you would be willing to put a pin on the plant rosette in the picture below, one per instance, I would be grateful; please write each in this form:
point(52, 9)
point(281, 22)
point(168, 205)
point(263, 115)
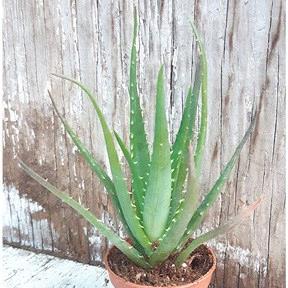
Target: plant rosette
point(164, 207)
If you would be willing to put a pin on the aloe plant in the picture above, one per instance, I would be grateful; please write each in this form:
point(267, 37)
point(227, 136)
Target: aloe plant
point(163, 208)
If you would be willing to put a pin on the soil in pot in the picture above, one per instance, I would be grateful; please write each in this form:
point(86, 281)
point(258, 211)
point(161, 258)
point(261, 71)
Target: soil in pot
point(166, 274)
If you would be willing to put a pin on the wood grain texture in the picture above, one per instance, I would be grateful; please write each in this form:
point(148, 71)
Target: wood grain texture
point(90, 40)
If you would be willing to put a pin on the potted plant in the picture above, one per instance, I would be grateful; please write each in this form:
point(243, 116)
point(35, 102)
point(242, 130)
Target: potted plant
point(163, 208)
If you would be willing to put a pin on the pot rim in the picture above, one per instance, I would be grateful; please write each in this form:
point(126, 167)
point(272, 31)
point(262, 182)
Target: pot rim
point(206, 275)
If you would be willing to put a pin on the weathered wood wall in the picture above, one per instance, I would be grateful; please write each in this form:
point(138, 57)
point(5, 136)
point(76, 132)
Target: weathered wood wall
point(90, 40)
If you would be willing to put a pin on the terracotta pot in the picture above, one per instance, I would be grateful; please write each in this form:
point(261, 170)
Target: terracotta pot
point(119, 282)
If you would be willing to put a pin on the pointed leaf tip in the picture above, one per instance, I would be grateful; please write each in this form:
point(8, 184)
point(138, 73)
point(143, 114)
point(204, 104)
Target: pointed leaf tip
point(158, 195)
point(238, 219)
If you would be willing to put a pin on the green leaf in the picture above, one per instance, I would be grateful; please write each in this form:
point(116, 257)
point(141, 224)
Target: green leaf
point(138, 140)
point(137, 184)
point(102, 175)
point(178, 178)
point(122, 192)
point(180, 221)
point(122, 245)
point(87, 155)
point(214, 192)
point(186, 129)
point(216, 232)
point(203, 118)
point(180, 147)
point(158, 194)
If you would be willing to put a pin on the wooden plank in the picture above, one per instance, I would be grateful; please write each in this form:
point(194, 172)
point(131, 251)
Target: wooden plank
point(91, 41)
point(28, 269)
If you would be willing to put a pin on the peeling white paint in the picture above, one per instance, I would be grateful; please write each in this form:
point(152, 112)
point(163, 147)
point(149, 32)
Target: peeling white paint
point(94, 237)
point(74, 170)
point(22, 209)
point(95, 240)
point(13, 116)
point(62, 152)
point(244, 257)
point(82, 184)
point(74, 150)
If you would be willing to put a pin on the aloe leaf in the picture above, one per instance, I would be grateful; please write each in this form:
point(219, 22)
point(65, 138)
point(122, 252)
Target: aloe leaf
point(180, 147)
point(137, 184)
point(216, 232)
point(178, 179)
point(180, 221)
point(102, 175)
point(122, 245)
point(87, 155)
point(122, 192)
point(203, 118)
point(138, 140)
point(214, 192)
point(158, 194)
point(186, 129)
